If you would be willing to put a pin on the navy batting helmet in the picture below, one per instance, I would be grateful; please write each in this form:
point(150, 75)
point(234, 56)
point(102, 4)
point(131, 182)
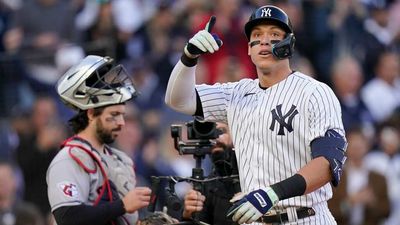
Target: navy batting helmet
point(268, 13)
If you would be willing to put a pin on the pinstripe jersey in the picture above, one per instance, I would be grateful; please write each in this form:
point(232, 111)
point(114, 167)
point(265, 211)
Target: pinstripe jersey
point(272, 130)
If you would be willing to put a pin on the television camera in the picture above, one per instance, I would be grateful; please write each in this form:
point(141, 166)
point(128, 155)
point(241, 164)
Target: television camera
point(201, 138)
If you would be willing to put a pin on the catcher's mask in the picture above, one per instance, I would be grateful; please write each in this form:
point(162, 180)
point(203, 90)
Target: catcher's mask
point(268, 13)
point(95, 82)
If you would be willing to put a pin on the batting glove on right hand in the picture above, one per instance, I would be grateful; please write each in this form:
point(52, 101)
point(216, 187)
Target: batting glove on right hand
point(203, 41)
point(252, 206)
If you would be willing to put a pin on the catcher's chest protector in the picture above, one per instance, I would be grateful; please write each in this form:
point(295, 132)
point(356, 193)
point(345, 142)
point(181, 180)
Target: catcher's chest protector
point(112, 165)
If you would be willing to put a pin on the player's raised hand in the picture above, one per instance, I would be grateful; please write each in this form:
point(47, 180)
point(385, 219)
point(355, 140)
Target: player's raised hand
point(203, 41)
point(252, 206)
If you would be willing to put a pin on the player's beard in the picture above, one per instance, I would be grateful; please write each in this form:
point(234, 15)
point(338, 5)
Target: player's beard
point(105, 136)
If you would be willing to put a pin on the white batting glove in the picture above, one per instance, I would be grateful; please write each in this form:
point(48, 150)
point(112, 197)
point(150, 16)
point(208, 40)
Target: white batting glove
point(203, 41)
point(251, 207)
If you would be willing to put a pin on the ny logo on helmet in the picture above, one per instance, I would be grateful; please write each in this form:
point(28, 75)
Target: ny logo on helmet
point(266, 12)
point(278, 117)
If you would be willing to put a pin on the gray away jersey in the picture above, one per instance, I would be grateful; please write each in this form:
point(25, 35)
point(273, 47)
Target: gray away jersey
point(69, 184)
point(272, 129)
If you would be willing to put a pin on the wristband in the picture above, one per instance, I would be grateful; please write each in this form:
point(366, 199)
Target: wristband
point(187, 61)
point(290, 187)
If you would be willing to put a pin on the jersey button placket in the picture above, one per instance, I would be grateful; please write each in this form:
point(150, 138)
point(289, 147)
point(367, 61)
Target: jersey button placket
point(258, 112)
point(257, 116)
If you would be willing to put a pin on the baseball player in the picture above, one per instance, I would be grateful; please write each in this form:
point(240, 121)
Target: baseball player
point(286, 126)
point(88, 181)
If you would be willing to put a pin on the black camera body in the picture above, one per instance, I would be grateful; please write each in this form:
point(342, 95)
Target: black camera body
point(197, 130)
point(201, 137)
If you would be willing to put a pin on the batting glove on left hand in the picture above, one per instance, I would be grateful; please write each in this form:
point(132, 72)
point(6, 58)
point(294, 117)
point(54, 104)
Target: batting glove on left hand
point(203, 41)
point(251, 207)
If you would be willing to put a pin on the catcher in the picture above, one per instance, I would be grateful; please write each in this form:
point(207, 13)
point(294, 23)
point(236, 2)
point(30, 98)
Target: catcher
point(88, 181)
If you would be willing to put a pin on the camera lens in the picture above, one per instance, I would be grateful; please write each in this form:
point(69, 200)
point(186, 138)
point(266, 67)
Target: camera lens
point(204, 130)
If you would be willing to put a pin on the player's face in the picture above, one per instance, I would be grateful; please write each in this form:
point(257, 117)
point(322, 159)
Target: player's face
point(109, 123)
point(260, 47)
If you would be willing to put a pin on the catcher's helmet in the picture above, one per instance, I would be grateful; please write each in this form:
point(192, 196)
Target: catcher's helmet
point(269, 13)
point(95, 82)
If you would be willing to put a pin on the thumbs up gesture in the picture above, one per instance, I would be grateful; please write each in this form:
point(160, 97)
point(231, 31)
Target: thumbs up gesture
point(203, 41)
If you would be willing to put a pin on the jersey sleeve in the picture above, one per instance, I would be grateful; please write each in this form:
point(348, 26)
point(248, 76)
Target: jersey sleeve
point(67, 183)
point(214, 100)
point(324, 112)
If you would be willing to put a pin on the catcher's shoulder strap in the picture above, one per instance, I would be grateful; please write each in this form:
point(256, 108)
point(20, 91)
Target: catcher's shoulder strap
point(81, 152)
point(84, 154)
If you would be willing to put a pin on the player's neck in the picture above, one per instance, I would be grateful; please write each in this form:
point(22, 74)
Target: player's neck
point(92, 139)
point(270, 77)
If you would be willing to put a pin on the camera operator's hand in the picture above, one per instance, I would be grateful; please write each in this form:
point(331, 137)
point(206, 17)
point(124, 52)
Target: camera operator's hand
point(203, 41)
point(194, 202)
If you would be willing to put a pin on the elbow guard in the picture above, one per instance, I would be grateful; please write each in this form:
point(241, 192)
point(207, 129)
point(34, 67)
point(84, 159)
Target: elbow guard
point(332, 146)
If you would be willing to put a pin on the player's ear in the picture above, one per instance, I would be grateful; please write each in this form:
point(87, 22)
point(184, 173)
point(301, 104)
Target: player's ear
point(90, 114)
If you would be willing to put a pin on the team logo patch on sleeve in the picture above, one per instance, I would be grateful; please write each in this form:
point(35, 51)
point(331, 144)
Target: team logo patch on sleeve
point(68, 189)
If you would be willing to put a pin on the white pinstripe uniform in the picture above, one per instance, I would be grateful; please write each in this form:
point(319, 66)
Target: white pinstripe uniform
point(272, 130)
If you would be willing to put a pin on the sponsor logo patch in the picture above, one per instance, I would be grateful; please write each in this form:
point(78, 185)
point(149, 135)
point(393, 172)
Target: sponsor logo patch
point(260, 199)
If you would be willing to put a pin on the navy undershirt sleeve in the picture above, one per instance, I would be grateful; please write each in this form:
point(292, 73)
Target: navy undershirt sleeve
point(199, 107)
point(86, 214)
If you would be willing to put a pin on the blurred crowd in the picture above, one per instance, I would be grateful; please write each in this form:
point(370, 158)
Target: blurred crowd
point(352, 45)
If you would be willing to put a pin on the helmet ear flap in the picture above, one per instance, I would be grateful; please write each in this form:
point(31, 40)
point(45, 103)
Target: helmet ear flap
point(285, 48)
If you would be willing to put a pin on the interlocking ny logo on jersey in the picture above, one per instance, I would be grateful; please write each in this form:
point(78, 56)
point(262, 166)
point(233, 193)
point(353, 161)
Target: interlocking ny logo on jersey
point(281, 119)
point(266, 12)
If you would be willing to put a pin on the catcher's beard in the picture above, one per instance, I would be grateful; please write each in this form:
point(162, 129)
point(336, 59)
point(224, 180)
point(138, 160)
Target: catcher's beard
point(104, 136)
